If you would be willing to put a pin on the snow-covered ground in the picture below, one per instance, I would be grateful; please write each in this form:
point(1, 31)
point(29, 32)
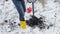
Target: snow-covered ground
point(50, 11)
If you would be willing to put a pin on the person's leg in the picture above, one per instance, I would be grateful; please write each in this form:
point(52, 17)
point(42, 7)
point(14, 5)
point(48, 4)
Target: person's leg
point(20, 9)
point(20, 6)
point(23, 4)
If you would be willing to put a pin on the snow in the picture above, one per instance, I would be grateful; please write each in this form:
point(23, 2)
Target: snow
point(50, 11)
